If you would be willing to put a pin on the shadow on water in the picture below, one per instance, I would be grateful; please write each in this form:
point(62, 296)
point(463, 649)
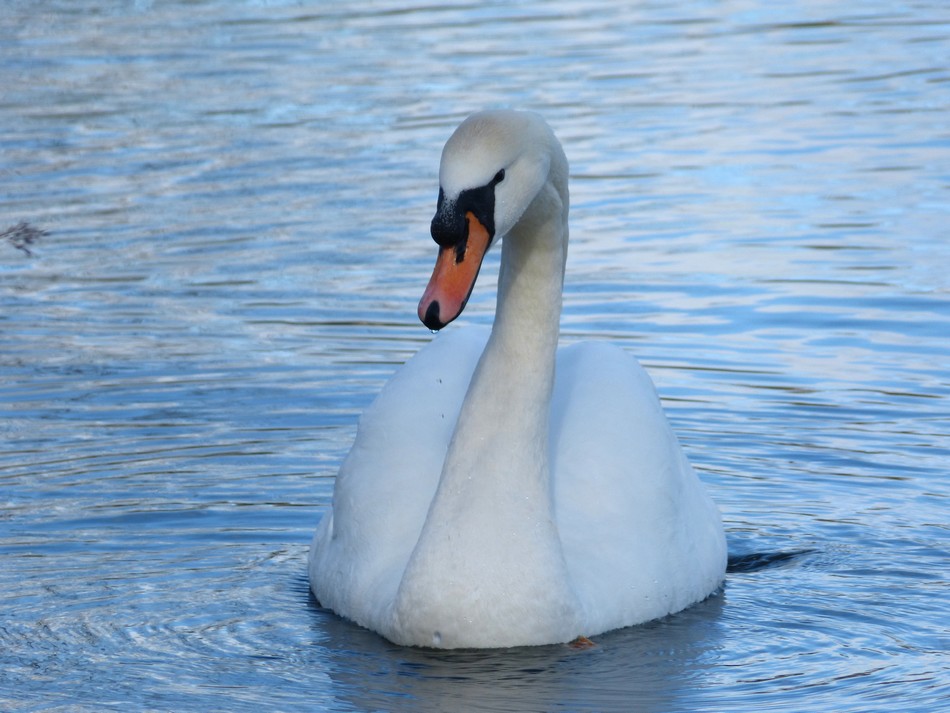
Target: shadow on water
point(651, 664)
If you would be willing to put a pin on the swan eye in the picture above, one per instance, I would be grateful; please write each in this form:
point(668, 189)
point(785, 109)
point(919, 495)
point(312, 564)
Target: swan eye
point(499, 177)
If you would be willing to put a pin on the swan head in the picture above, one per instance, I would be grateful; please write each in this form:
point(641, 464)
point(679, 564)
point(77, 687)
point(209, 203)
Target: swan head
point(493, 168)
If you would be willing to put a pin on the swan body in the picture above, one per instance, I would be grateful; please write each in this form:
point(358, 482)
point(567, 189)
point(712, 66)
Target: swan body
point(502, 491)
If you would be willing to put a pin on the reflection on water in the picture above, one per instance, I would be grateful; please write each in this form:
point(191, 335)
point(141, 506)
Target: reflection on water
point(651, 665)
point(236, 198)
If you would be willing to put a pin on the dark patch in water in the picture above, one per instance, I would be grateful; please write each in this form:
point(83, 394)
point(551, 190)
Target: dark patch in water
point(756, 561)
point(22, 235)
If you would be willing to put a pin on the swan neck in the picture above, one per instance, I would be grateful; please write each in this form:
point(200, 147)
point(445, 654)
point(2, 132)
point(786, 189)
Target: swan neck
point(530, 283)
point(490, 539)
point(505, 415)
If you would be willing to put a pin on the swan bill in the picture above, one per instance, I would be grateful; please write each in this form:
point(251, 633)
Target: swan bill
point(453, 278)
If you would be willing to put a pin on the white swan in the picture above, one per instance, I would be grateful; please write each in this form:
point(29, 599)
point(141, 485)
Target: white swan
point(487, 500)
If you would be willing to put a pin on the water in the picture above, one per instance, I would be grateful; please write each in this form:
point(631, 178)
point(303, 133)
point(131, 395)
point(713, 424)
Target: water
point(237, 198)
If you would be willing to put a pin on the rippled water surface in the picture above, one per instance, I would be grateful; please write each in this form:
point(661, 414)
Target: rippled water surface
point(236, 200)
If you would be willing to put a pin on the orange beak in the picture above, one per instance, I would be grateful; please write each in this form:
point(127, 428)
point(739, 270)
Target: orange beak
point(454, 276)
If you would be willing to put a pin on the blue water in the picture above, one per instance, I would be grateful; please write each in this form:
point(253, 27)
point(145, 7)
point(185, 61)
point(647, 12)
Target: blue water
point(236, 198)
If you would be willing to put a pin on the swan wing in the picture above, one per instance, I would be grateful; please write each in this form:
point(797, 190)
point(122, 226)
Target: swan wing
point(641, 537)
point(386, 483)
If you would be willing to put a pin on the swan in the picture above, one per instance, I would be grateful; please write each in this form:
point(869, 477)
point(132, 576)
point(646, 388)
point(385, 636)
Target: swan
point(502, 491)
